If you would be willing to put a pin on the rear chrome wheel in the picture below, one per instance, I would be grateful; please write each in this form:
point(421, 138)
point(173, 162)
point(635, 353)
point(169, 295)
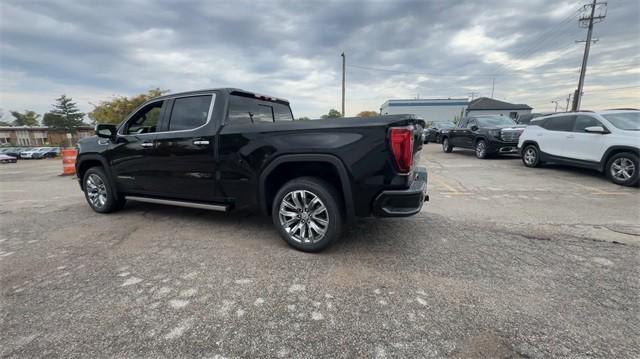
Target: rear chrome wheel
point(304, 216)
point(308, 214)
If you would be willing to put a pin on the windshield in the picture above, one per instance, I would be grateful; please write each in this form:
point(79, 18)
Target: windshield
point(443, 125)
point(629, 121)
point(491, 121)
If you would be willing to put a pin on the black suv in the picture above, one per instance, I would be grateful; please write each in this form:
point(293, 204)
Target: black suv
point(229, 149)
point(486, 134)
point(434, 130)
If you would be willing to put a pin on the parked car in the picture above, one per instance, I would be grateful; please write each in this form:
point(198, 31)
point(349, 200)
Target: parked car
point(47, 152)
point(526, 118)
point(229, 149)
point(434, 130)
point(7, 159)
point(11, 151)
point(27, 153)
point(486, 134)
point(607, 141)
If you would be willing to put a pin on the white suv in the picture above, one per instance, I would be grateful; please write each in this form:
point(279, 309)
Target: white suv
point(608, 141)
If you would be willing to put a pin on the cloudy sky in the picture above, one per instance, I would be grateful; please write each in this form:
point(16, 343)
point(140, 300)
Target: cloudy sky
point(395, 49)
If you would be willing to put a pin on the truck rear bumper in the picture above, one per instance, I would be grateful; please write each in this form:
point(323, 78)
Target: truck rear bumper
point(403, 203)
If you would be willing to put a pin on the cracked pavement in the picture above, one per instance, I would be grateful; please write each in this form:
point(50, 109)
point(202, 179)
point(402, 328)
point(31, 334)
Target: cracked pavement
point(505, 261)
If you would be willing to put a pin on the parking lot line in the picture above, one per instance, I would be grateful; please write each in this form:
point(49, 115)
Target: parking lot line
point(452, 191)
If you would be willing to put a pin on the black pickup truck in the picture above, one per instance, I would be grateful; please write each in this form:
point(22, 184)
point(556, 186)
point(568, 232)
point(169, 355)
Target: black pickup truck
point(487, 135)
point(229, 149)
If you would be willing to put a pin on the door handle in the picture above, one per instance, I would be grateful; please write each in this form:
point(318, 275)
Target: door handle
point(146, 144)
point(200, 142)
point(569, 136)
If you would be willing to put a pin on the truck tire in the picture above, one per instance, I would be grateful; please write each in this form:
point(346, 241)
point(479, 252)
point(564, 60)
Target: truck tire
point(307, 213)
point(446, 145)
point(99, 193)
point(622, 168)
point(481, 149)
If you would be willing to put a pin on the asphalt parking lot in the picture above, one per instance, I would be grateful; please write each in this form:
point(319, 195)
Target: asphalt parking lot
point(504, 261)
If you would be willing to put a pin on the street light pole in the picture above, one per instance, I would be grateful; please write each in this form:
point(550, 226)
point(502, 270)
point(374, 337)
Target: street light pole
point(343, 75)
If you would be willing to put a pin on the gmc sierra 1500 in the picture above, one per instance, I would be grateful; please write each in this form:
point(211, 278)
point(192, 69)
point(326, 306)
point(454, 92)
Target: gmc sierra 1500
point(229, 149)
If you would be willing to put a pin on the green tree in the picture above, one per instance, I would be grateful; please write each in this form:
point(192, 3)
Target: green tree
point(53, 120)
point(4, 123)
point(368, 114)
point(303, 119)
point(115, 110)
point(333, 113)
point(65, 114)
point(28, 118)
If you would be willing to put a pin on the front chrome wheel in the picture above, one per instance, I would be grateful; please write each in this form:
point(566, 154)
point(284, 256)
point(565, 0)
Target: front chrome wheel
point(303, 216)
point(530, 156)
point(481, 149)
point(96, 190)
point(622, 169)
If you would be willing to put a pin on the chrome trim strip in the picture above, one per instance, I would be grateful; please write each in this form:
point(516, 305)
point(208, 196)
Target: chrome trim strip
point(213, 101)
point(212, 207)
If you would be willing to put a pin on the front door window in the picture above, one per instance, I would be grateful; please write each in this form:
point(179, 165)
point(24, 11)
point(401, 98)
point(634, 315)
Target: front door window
point(145, 120)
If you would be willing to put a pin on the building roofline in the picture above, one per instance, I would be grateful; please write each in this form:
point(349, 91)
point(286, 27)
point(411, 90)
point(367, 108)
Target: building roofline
point(427, 101)
point(500, 109)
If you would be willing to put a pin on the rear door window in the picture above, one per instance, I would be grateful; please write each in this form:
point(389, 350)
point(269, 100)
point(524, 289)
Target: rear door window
point(189, 112)
point(560, 123)
point(246, 110)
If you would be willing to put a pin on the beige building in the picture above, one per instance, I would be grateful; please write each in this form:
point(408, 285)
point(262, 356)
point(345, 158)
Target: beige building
point(40, 135)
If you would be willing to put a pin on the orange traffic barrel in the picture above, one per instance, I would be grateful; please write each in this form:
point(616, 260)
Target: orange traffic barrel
point(69, 162)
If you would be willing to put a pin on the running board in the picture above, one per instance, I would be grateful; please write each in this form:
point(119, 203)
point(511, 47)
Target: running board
point(212, 207)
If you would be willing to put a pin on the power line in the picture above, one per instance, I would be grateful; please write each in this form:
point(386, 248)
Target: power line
point(613, 88)
point(544, 37)
point(523, 72)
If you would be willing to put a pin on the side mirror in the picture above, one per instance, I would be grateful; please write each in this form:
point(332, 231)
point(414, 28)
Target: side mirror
point(106, 131)
point(474, 128)
point(595, 129)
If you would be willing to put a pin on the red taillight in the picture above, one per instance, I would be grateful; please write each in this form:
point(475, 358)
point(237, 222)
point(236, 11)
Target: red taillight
point(401, 142)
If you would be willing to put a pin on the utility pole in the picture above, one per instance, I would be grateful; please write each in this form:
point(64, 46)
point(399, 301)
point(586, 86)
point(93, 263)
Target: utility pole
point(556, 102)
point(343, 68)
point(568, 101)
point(472, 94)
point(577, 97)
point(493, 85)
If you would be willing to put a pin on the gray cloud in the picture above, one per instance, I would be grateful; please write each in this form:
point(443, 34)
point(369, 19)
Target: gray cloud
point(91, 50)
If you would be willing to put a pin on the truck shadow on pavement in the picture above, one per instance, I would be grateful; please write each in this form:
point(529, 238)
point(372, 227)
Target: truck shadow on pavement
point(364, 234)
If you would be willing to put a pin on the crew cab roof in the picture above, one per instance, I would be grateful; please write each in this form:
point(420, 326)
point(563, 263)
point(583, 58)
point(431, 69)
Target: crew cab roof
point(228, 91)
